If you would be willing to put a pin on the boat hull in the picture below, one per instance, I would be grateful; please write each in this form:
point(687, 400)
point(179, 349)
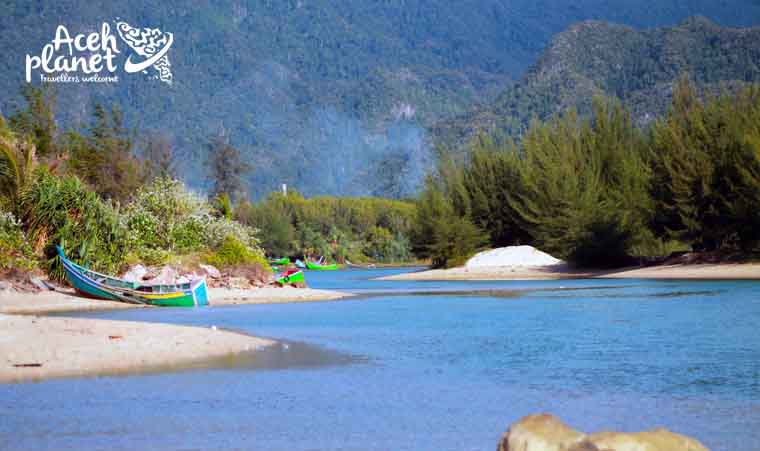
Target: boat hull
point(291, 277)
point(99, 286)
point(316, 267)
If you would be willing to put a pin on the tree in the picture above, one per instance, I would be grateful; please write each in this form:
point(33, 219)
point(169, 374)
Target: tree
point(37, 121)
point(226, 169)
point(583, 192)
point(17, 164)
point(158, 153)
point(705, 157)
point(105, 158)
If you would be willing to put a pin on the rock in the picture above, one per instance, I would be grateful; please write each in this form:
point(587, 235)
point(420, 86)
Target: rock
point(542, 432)
point(166, 276)
point(135, 274)
point(211, 271)
point(546, 432)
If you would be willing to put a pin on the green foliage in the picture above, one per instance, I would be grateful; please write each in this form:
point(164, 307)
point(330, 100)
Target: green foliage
point(598, 191)
point(706, 160)
point(15, 250)
point(17, 164)
point(37, 121)
point(233, 252)
point(104, 158)
point(598, 58)
point(165, 215)
point(440, 234)
point(60, 210)
point(226, 169)
point(339, 228)
point(382, 246)
point(583, 192)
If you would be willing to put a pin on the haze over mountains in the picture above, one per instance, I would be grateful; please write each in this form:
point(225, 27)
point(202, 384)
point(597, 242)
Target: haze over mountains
point(339, 97)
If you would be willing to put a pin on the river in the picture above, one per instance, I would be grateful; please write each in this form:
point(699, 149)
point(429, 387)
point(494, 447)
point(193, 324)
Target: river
point(428, 366)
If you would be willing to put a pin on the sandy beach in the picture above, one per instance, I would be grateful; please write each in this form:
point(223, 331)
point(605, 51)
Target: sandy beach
point(34, 348)
point(68, 301)
point(748, 271)
point(271, 295)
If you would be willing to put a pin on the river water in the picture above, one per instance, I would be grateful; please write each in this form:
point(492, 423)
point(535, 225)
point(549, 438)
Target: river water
point(428, 366)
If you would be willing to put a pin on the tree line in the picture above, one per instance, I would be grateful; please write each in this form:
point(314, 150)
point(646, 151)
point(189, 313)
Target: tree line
point(602, 191)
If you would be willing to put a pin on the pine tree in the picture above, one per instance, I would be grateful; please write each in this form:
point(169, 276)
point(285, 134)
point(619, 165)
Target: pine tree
point(226, 169)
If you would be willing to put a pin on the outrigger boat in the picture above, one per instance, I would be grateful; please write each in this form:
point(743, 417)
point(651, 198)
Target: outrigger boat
point(318, 267)
point(100, 286)
point(293, 276)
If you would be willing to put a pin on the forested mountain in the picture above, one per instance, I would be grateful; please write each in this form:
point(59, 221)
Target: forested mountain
point(639, 67)
point(337, 97)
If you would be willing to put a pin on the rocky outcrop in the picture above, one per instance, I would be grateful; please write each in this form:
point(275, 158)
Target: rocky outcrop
point(546, 432)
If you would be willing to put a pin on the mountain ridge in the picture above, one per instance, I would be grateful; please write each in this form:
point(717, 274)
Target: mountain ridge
point(331, 97)
point(637, 66)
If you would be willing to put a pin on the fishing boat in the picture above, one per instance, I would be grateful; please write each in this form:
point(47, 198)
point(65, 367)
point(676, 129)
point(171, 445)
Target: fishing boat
point(293, 276)
point(280, 262)
point(100, 286)
point(318, 267)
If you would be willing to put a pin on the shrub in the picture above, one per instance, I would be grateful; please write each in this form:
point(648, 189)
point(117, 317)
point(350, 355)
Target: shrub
point(166, 215)
point(60, 210)
point(15, 250)
point(233, 253)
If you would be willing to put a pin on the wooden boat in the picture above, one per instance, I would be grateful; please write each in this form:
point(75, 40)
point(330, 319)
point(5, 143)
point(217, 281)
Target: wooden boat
point(318, 267)
point(293, 276)
point(280, 262)
point(100, 286)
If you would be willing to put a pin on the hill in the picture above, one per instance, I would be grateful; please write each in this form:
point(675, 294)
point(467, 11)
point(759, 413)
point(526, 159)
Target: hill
point(639, 67)
point(331, 97)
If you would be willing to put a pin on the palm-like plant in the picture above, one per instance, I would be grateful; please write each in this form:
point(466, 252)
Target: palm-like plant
point(17, 163)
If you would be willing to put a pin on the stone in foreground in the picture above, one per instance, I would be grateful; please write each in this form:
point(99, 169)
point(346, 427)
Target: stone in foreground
point(545, 432)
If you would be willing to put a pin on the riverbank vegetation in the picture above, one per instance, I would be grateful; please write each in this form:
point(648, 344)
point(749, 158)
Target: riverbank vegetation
point(602, 191)
point(93, 193)
point(340, 228)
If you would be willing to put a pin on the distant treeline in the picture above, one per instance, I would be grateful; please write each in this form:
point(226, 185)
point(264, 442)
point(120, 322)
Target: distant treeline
point(600, 191)
point(340, 229)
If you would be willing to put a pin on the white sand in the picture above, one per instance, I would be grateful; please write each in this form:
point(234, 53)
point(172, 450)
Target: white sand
point(64, 347)
point(271, 295)
point(67, 301)
point(512, 256)
point(746, 271)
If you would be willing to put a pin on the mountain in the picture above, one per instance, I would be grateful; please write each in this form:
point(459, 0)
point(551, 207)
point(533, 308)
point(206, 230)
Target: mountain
point(331, 97)
point(639, 67)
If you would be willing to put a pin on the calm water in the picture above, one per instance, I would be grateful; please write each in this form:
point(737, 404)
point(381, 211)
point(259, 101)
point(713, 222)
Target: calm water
point(440, 369)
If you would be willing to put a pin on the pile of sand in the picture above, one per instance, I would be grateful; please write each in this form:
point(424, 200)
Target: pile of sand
point(512, 256)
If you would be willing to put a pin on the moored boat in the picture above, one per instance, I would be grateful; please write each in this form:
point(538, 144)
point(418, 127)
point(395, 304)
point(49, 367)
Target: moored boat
point(318, 267)
point(100, 286)
point(280, 262)
point(293, 276)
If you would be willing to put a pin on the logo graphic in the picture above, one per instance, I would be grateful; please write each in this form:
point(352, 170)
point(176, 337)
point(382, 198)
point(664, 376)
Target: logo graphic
point(150, 43)
point(92, 57)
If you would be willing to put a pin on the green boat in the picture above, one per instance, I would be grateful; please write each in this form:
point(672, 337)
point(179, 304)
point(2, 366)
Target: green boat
point(280, 262)
point(317, 267)
point(100, 286)
point(294, 276)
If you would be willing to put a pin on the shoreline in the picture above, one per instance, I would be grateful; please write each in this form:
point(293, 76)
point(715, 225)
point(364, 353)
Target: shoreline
point(34, 348)
point(62, 301)
point(727, 271)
